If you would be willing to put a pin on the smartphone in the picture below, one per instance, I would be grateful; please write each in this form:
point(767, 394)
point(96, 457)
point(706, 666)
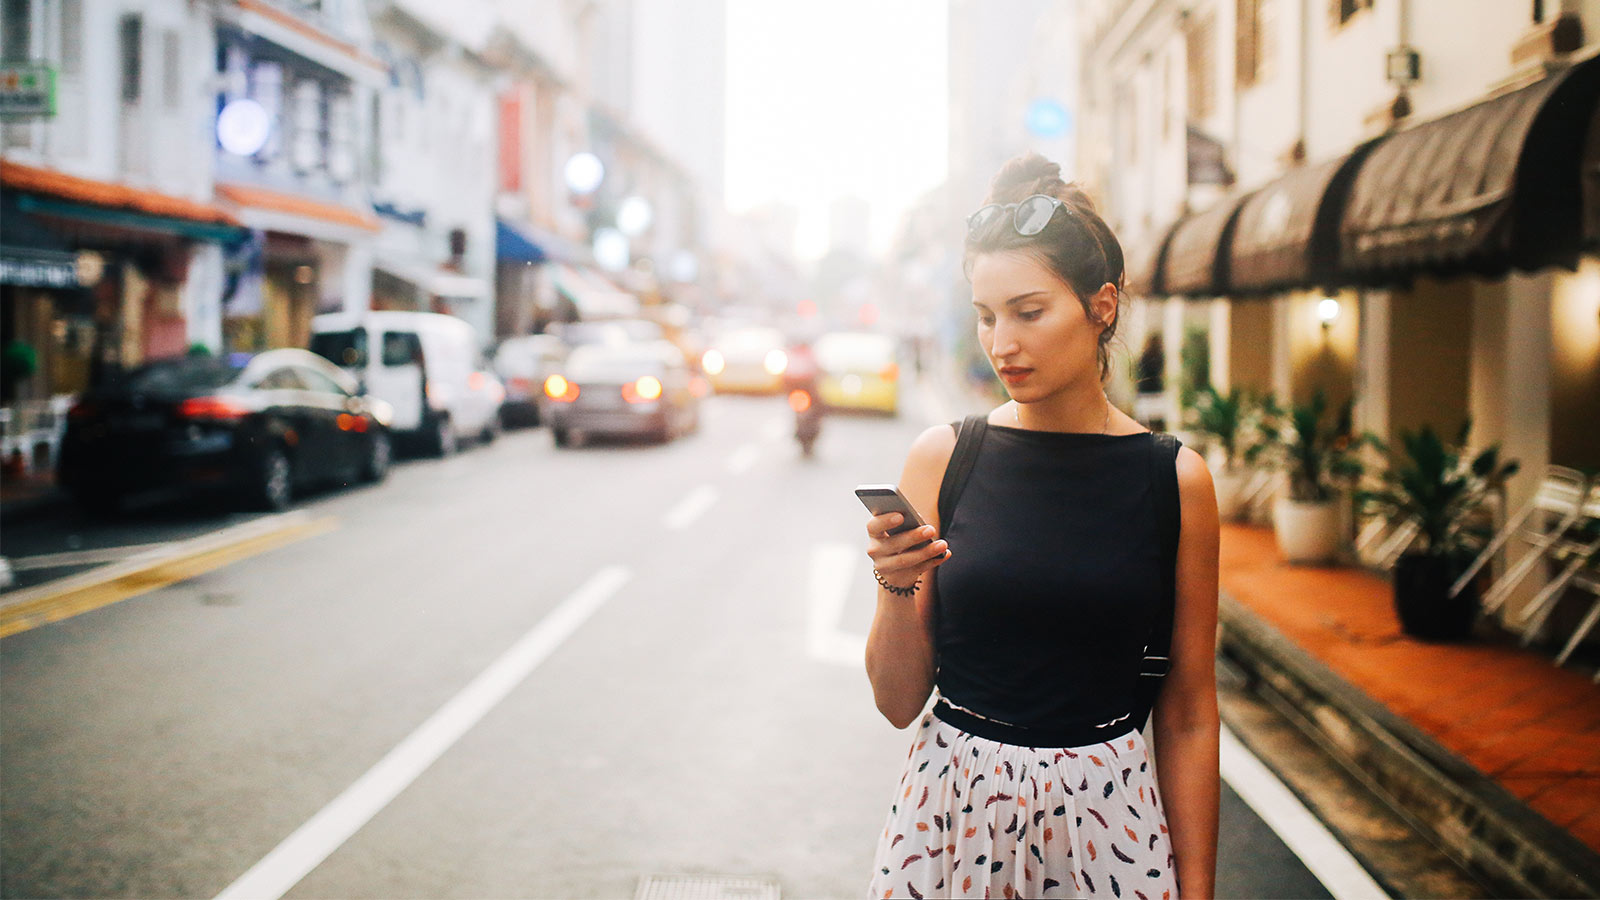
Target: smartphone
point(886, 498)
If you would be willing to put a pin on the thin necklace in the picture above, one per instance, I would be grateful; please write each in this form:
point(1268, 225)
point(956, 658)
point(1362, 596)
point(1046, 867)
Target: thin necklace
point(1104, 426)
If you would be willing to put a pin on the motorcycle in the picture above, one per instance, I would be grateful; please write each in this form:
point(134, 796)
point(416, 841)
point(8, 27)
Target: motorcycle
point(801, 380)
point(807, 417)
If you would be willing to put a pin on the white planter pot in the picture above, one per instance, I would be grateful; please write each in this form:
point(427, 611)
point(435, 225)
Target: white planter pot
point(1306, 532)
point(1230, 485)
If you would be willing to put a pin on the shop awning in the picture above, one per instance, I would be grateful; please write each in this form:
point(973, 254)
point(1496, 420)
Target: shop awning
point(1142, 264)
point(1195, 263)
point(592, 295)
point(436, 282)
point(1591, 182)
point(528, 243)
point(47, 192)
point(1287, 233)
point(1482, 190)
point(271, 210)
point(511, 245)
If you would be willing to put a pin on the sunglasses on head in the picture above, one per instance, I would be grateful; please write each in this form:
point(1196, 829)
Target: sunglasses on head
point(1029, 215)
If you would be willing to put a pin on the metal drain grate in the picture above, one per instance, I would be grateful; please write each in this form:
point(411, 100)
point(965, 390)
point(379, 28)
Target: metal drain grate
point(706, 887)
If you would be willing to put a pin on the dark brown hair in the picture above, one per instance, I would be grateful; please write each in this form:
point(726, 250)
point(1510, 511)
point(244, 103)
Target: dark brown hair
point(1077, 245)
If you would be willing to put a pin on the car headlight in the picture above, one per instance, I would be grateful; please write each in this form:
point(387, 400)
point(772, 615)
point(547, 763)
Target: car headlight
point(776, 362)
point(712, 363)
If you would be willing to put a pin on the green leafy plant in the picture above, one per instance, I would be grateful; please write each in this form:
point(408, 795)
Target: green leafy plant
point(1223, 417)
point(1437, 486)
point(1320, 455)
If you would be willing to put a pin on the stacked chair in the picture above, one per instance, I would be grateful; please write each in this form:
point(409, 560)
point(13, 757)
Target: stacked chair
point(1560, 524)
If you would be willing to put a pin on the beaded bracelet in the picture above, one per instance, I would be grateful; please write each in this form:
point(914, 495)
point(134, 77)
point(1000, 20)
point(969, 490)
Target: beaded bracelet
point(897, 591)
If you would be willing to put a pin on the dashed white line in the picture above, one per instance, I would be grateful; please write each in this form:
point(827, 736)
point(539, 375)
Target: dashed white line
point(1310, 840)
point(690, 508)
point(743, 458)
point(833, 569)
point(325, 832)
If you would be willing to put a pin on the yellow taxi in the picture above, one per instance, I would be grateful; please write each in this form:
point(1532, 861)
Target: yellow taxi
point(858, 370)
point(746, 360)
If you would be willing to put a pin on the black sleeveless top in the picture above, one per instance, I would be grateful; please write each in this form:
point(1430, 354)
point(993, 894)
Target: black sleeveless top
point(1053, 580)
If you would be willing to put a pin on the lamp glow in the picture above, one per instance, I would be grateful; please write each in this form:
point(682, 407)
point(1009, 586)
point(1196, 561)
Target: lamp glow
point(584, 172)
point(1328, 310)
point(634, 216)
point(243, 127)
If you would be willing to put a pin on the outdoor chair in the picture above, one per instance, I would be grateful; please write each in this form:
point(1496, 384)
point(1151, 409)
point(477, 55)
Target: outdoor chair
point(1379, 545)
point(1540, 523)
point(1579, 551)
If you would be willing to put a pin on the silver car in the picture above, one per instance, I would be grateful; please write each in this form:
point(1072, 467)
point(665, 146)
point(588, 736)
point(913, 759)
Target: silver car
point(643, 389)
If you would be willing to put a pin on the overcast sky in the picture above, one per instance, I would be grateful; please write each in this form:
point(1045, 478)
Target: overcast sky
point(828, 98)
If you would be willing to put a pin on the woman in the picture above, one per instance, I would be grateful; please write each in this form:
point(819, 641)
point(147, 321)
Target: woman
point(1028, 611)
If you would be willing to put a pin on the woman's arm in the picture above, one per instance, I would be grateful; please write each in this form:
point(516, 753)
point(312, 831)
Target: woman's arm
point(900, 660)
point(1185, 715)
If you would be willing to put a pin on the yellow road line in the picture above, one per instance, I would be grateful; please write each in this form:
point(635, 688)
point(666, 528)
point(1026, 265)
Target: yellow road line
point(78, 599)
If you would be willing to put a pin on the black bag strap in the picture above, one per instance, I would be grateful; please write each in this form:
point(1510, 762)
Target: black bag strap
point(1169, 517)
point(969, 437)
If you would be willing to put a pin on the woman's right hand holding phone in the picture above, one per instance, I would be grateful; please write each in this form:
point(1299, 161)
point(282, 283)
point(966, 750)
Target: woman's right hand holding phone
point(897, 557)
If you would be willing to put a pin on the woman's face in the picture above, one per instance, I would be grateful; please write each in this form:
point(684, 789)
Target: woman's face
point(1032, 326)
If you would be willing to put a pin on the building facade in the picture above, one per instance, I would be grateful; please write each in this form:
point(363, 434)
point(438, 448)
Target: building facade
point(1389, 201)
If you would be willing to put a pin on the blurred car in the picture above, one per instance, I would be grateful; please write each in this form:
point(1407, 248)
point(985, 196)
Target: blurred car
point(261, 429)
point(485, 400)
point(746, 360)
point(858, 370)
point(607, 331)
point(623, 389)
point(523, 363)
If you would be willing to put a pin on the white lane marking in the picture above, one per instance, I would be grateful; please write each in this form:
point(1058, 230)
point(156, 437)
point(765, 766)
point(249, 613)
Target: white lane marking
point(325, 832)
point(1283, 812)
point(83, 557)
point(833, 571)
point(775, 429)
point(690, 508)
point(743, 458)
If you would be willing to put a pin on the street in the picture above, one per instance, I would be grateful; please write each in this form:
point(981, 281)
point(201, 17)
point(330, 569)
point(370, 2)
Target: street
point(518, 672)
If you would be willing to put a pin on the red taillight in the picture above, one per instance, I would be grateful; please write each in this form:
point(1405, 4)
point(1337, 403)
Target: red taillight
point(475, 381)
point(215, 408)
point(348, 422)
point(82, 410)
point(890, 372)
point(799, 401)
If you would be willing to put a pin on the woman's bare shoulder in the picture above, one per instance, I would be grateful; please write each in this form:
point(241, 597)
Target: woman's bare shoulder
point(930, 452)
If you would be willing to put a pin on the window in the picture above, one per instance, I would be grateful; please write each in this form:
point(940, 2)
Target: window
point(16, 30)
point(71, 37)
point(1538, 12)
point(1341, 11)
point(130, 36)
point(1202, 77)
point(342, 348)
point(401, 348)
point(322, 384)
point(283, 379)
point(1256, 41)
point(172, 74)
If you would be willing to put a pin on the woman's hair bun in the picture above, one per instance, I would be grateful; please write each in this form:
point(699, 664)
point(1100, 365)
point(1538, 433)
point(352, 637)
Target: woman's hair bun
point(1029, 174)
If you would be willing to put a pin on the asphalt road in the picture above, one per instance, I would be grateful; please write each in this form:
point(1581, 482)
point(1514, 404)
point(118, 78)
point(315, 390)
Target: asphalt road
point(520, 672)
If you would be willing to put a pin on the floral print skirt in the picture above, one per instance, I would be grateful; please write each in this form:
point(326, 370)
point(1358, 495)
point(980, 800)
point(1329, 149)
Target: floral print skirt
point(977, 818)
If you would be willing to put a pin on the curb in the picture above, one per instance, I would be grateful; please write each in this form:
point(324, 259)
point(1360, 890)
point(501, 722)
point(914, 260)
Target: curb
point(1480, 824)
point(143, 572)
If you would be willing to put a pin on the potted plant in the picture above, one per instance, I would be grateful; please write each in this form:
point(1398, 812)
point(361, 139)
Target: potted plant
point(1431, 484)
point(1222, 417)
point(1321, 459)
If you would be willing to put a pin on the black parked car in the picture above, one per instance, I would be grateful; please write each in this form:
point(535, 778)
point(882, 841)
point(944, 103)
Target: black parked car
point(258, 429)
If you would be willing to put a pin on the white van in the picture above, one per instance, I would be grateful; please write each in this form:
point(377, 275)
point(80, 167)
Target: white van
point(428, 366)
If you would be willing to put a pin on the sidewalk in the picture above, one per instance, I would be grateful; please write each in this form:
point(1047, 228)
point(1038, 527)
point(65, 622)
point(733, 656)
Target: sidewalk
point(1509, 731)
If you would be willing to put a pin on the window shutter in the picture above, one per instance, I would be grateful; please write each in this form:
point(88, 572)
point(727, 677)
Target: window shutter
point(1245, 43)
